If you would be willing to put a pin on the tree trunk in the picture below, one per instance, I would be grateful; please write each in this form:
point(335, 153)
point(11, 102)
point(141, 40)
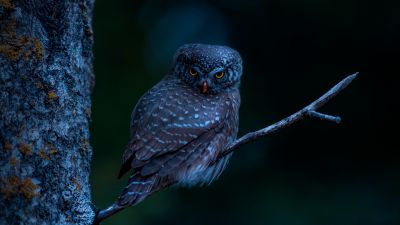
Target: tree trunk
point(46, 79)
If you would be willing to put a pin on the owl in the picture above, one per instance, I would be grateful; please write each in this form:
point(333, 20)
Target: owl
point(181, 126)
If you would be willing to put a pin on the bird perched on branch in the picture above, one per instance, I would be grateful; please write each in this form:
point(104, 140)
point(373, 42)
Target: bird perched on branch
point(181, 126)
point(184, 128)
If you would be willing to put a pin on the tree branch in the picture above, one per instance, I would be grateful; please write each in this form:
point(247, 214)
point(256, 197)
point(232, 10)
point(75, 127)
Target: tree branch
point(309, 111)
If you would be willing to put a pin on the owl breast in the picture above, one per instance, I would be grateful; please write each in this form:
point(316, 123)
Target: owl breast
point(219, 115)
point(179, 133)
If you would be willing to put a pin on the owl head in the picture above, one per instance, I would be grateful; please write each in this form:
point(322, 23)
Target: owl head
point(209, 69)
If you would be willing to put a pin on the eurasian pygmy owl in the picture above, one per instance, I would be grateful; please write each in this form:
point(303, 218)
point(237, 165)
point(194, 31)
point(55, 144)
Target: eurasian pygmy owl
point(182, 125)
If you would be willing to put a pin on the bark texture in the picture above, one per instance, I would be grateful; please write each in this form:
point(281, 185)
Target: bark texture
point(45, 84)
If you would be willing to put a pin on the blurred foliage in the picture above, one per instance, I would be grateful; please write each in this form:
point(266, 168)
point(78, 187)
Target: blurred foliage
point(312, 173)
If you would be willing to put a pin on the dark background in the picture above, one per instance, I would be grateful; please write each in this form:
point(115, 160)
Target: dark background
point(312, 173)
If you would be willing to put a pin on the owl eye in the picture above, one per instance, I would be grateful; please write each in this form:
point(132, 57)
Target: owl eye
point(219, 75)
point(192, 72)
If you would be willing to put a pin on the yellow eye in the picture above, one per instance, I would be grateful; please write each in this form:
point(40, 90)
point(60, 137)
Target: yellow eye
point(192, 72)
point(219, 75)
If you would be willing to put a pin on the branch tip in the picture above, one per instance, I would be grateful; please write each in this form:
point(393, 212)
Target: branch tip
point(309, 110)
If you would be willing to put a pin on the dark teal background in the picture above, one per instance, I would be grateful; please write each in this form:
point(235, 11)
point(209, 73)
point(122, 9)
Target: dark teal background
point(313, 173)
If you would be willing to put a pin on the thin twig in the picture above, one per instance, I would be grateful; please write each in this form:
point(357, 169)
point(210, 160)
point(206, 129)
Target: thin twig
point(309, 111)
point(322, 116)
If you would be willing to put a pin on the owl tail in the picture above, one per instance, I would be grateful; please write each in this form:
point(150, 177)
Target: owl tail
point(137, 190)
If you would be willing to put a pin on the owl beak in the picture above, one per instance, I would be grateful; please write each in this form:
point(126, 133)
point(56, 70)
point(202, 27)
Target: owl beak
point(204, 87)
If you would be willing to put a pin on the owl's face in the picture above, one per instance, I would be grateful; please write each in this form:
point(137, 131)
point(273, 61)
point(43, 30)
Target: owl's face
point(209, 69)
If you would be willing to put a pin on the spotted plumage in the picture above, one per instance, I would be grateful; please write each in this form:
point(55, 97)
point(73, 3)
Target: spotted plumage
point(180, 127)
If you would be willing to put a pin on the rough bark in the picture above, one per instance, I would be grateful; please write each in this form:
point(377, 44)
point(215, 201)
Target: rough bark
point(45, 83)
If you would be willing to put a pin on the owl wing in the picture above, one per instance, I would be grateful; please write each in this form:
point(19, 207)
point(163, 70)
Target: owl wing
point(169, 124)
